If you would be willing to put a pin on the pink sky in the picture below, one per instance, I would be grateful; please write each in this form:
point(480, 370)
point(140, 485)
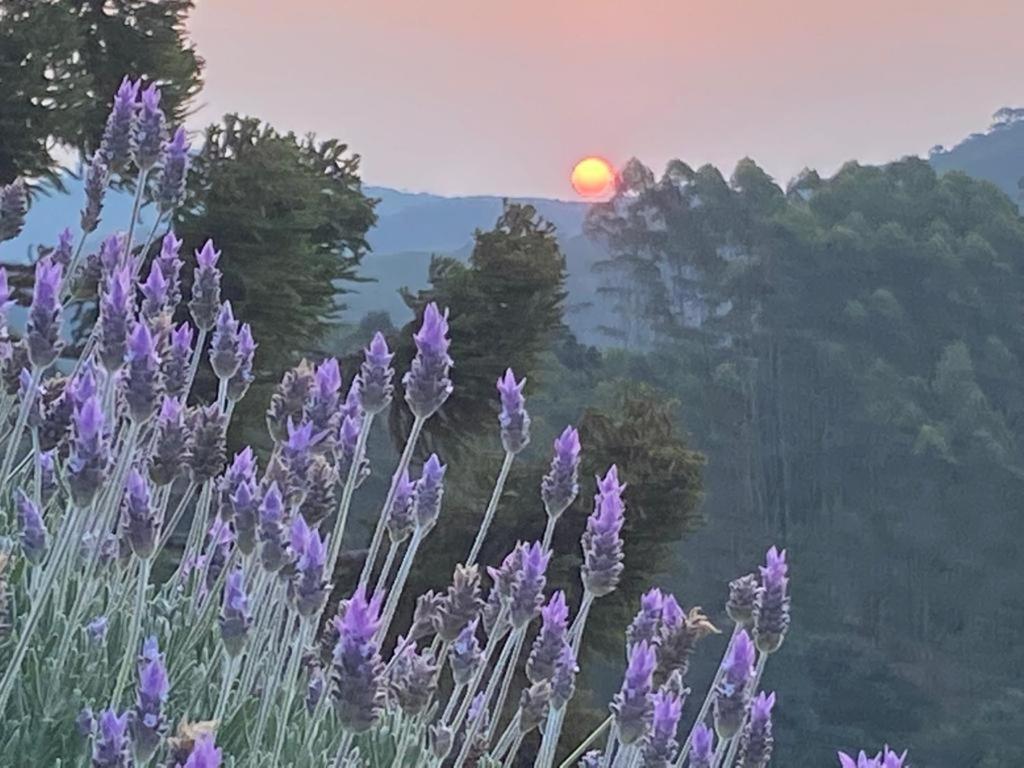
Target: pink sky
point(482, 96)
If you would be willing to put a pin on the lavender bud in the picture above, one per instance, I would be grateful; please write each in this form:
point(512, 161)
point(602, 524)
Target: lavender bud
point(314, 690)
point(113, 253)
point(429, 492)
point(346, 448)
point(288, 402)
point(309, 588)
point(34, 539)
point(47, 465)
point(204, 754)
point(602, 540)
point(13, 209)
point(702, 751)
point(235, 616)
point(150, 130)
point(414, 679)
point(170, 264)
point(771, 611)
point(560, 485)
point(647, 622)
point(322, 409)
point(176, 362)
point(225, 357)
point(358, 672)
point(534, 705)
point(90, 452)
point(96, 630)
point(527, 592)
point(514, 420)
point(170, 457)
point(427, 385)
point(64, 249)
point(742, 598)
point(756, 742)
point(375, 374)
point(464, 655)
point(170, 187)
point(245, 504)
point(148, 724)
point(141, 379)
point(660, 746)
point(426, 615)
point(462, 603)
point(14, 359)
point(222, 539)
point(678, 637)
point(117, 136)
point(205, 302)
point(239, 384)
point(563, 680)
point(154, 293)
point(633, 707)
point(271, 529)
point(242, 471)
point(400, 520)
point(296, 459)
point(111, 746)
point(731, 694)
point(139, 519)
point(97, 179)
point(208, 445)
point(42, 330)
point(440, 740)
point(115, 317)
point(85, 723)
point(319, 501)
point(58, 409)
point(591, 759)
point(547, 647)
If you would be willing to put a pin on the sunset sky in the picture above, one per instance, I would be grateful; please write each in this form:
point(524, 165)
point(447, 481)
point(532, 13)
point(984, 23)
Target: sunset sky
point(481, 96)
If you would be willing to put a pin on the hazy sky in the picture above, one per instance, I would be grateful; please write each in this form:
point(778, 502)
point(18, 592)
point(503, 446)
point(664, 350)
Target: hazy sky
point(489, 96)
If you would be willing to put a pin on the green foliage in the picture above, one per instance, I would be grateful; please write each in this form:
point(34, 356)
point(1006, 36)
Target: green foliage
point(62, 60)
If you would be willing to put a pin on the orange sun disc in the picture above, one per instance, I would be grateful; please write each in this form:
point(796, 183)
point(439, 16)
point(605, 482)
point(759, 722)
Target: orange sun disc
point(593, 177)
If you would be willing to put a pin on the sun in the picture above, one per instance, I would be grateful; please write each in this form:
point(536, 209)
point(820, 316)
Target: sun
point(593, 177)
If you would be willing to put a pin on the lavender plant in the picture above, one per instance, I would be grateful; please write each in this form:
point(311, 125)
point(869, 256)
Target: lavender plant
point(236, 635)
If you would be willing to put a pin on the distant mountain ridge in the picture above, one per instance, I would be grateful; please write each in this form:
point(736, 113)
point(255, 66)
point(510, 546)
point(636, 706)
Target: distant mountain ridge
point(995, 155)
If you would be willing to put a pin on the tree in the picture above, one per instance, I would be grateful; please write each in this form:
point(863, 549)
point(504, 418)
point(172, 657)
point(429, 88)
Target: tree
point(62, 60)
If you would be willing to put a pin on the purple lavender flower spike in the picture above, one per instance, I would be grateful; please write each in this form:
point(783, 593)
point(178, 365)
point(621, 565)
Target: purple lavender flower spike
point(141, 379)
point(602, 540)
point(375, 374)
point(170, 188)
point(64, 249)
point(13, 208)
point(96, 630)
point(324, 400)
point(702, 750)
point(464, 655)
point(731, 694)
point(271, 529)
point(560, 485)
point(90, 451)
point(296, 458)
point(756, 742)
point(42, 331)
point(358, 673)
point(309, 588)
point(205, 302)
point(678, 636)
point(242, 470)
point(547, 647)
point(563, 681)
point(222, 540)
point(170, 264)
point(429, 493)
point(115, 317)
point(239, 384)
point(461, 603)
point(225, 357)
point(660, 746)
point(208, 448)
point(150, 130)
point(288, 402)
point(47, 463)
point(413, 678)
point(116, 146)
point(112, 254)
point(534, 705)
point(235, 616)
point(771, 611)
point(154, 292)
point(632, 706)
point(111, 746)
point(149, 724)
point(176, 362)
point(427, 385)
point(170, 457)
point(862, 761)
point(204, 754)
point(245, 505)
point(891, 759)
point(742, 599)
point(85, 723)
point(647, 622)
point(400, 520)
point(97, 179)
point(314, 690)
point(514, 420)
point(347, 444)
point(139, 519)
point(527, 589)
point(478, 712)
point(34, 539)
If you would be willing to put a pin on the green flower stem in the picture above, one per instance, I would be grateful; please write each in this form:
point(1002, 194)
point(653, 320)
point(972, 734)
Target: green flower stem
point(179, 510)
point(130, 652)
point(395, 593)
point(705, 707)
point(389, 562)
point(492, 506)
point(582, 748)
point(378, 533)
point(343, 748)
point(341, 519)
point(474, 683)
point(230, 668)
point(14, 439)
point(506, 684)
point(734, 742)
point(579, 623)
point(514, 749)
point(140, 188)
point(290, 684)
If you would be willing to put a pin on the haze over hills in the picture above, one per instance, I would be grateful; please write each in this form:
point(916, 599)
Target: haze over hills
point(996, 155)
